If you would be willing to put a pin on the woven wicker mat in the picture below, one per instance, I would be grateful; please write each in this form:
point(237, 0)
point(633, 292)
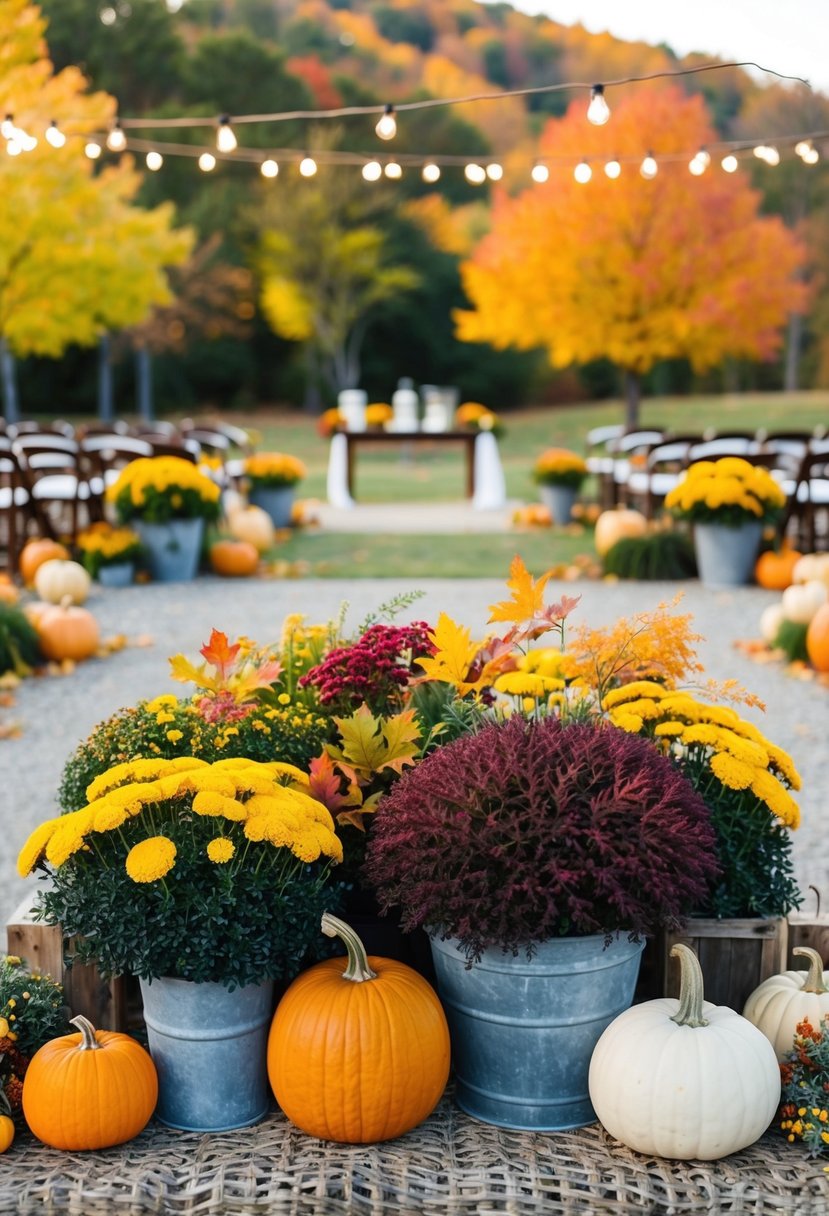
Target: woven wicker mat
point(451, 1164)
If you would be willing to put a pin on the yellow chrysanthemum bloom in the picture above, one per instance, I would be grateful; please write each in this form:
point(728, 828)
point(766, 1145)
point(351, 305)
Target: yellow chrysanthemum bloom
point(109, 817)
point(520, 684)
point(220, 850)
point(207, 802)
point(306, 847)
point(731, 772)
point(35, 846)
point(631, 723)
point(779, 801)
point(669, 729)
point(634, 690)
point(151, 859)
point(174, 735)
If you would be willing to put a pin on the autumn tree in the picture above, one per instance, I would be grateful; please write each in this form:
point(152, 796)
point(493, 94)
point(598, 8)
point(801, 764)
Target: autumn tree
point(77, 258)
point(631, 269)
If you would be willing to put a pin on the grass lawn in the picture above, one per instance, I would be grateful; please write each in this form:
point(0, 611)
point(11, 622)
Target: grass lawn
point(360, 555)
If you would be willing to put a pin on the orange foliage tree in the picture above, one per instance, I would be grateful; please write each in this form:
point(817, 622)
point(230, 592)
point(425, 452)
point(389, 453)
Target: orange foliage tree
point(631, 269)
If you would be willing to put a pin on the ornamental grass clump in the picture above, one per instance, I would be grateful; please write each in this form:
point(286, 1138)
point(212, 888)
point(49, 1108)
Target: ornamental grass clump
point(730, 491)
point(206, 872)
point(527, 831)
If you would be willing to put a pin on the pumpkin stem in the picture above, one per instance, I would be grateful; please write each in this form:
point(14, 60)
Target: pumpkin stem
point(88, 1041)
point(66, 602)
point(357, 968)
point(690, 988)
point(814, 980)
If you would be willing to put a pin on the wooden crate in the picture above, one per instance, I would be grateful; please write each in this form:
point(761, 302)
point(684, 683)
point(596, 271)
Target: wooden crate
point(44, 949)
point(735, 956)
point(809, 927)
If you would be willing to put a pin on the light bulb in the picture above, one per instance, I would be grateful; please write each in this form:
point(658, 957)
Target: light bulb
point(475, 174)
point(27, 142)
point(703, 158)
point(696, 166)
point(93, 150)
point(495, 171)
point(116, 140)
point(811, 157)
point(760, 151)
point(803, 147)
point(154, 161)
point(13, 148)
point(225, 139)
point(7, 127)
point(372, 170)
point(207, 162)
point(539, 173)
point(772, 157)
point(582, 172)
point(393, 170)
point(431, 172)
point(598, 111)
point(649, 167)
point(387, 126)
point(613, 169)
point(55, 136)
point(729, 163)
point(269, 168)
point(307, 166)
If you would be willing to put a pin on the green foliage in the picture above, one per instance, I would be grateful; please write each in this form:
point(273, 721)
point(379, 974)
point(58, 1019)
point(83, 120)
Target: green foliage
point(291, 733)
point(791, 639)
point(32, 1006)
point(662, 555)
point(804, 1107)
point(19, 646)
point(404, 25)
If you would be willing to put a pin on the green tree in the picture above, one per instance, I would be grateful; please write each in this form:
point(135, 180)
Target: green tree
point(77, 258)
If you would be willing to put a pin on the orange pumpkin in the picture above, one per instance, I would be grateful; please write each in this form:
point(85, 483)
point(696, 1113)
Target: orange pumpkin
point(359, 1047)
point(34, 554)
point(817, 639)
point(615, 525)
point(234, 558)
point(775, 571)
point(67, 632)
point(6, 1132)
point(89, 1090)
point(8, 592)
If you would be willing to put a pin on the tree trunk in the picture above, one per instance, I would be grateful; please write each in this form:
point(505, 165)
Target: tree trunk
point(8, 375)
point(144, 384)
point(312, 402)
point(794, 342)
point(106, 410)
point(633, 396)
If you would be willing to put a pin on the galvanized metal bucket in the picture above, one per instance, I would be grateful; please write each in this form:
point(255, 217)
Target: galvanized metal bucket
point(277, 501)
point(172, 549)
point(726, 556)
point(209, 1047)
point(523, 1030)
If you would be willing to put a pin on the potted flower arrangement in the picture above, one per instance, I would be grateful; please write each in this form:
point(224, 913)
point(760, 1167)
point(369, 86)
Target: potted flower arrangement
point(472, 416)
point(109, 554)
point(329, 422)
point(378, 415)
point(167, 500)
point(32, 1012)
point(207, 881)
point(728, 501)
point(559, 474)
point(272, 477)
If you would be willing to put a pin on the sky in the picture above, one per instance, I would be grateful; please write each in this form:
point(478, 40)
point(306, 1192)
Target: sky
point(790, 36)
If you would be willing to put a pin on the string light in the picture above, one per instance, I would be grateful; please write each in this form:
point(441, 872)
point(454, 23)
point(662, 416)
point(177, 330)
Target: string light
point(475, 174)
point(730, 163)
point(495, 171)
point(393, 170)
point(598, 112)
point(225, 138)
point(612, 169)
point(387, 126)
point(700, 162)
point(649, 167)
point(93, 149)
point(13, 147)
point(7, 127)
point(116, 140)
point(372, 171)
point(54, 135)
point(207, 162)
point(768, 154)
point(431, 172)
point(154, 161)
point(269, 168)
point(307, 166)
point(540, 174)
point(582, 172)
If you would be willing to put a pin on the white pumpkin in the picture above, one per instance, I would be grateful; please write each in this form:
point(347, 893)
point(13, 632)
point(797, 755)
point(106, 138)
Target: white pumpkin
point(684, 1078)
point(232, 501)
point(253, 525)
point(56, 580)
point(810, 567)
point(801, 601)
point(771, 619)
point(778, 1004)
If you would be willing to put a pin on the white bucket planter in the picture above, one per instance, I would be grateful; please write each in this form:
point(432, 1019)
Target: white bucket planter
point(726, 556)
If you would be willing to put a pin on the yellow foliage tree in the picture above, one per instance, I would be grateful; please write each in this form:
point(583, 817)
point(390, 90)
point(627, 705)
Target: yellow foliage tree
point(631, 269)
point(77, 257)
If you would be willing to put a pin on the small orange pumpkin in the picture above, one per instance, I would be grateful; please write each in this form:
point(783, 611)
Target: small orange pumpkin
point(8, 592)
point(234, 558)
point(89, 1090)
point(775, 571)
point(615, 525)
point(6, 1125)
point(817, 639)
point(67, 632)
point(359, 1047)
point(35, 553)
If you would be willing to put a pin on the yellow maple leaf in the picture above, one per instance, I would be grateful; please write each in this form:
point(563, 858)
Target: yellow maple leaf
point(372, 744)
point(182, 669)
point(454, 654)
point(527, 601)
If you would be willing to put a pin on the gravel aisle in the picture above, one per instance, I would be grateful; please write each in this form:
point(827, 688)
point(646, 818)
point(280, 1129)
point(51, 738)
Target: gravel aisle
point(57, 713)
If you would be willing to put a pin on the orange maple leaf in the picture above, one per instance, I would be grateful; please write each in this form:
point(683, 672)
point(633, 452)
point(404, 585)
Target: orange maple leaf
point(326, 785)
point(219, 654)
point(527, 595)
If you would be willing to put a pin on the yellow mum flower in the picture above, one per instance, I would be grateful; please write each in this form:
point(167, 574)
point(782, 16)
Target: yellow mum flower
point(151, 859)
point(779, 801)
point(165, 701)
point(109, 817)
point(632, 723)
point(220, 850)
point(164, 716)
point(208, 802)
point(731, 772)
point(35, 846)
point(306, 847)
point(669, 729)
point(634, 690)
point(175, 735)
point(69, 838)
